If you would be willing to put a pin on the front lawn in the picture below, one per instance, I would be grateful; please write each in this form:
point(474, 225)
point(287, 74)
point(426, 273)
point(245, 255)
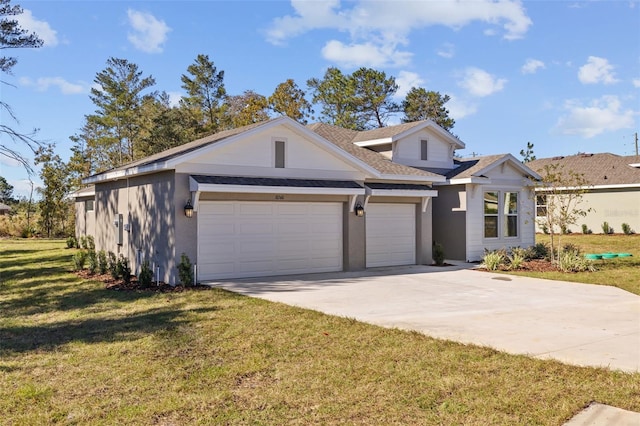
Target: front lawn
point(619, 272)
point(73, 352)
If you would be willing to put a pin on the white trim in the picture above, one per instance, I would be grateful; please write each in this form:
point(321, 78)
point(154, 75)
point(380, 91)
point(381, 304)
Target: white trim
point(366, 201)
point(413, 178)
point(475, 179)
point(352, 202)
point(374, 142)
point(590, 187)
point(401, 192)
point(258, 189)
point(425, 203)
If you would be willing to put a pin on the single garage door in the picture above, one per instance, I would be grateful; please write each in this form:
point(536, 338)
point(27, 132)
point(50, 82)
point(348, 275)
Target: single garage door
point(239, 239)
point(391, 234)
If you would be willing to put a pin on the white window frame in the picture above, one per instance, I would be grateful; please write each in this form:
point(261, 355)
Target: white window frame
point(276, 142)
point(424, 150)
point(501, 215)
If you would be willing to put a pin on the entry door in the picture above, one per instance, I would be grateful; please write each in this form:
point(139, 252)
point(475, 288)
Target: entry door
point(239, 239)
point(391, 234)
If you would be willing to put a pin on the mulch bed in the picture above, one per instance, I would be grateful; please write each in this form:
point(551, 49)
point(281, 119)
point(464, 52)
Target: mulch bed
point(536, 265)
point(134, 285)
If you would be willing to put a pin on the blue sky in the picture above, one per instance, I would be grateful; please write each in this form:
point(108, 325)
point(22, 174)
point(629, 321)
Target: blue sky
point(564, 75)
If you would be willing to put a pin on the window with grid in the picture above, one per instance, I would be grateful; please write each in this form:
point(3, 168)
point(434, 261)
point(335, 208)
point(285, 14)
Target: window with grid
point(491, 214)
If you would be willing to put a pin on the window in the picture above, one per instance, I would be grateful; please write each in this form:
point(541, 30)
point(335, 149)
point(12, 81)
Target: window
point(510, 207)
point(541, 205)
point(279, 147)
point(500, 214)
point(424, 152)
point(88, 205)
point(491, 215)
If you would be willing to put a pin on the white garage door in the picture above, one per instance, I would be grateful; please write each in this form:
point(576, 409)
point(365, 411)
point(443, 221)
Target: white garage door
point(250, 239)
point(391, 234)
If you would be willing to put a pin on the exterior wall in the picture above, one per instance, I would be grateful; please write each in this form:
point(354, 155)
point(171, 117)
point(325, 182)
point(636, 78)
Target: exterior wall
point(476, 242)
point(354, 243)
point(85, 220)
point(408, 150)
point(255, 156)
point(449, 219)
point(385, 149)
point(147, 204)
point(615, 206)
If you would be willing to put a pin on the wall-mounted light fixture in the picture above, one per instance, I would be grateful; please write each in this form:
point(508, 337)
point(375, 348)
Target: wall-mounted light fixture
point(188, 209)
point(359, 210)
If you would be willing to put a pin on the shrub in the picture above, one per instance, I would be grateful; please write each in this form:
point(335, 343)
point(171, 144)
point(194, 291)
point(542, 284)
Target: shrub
point(626, 228)
point(519, 251)
point(145, 277)
point(103, 265)
point(570, 261)
point(545, 229)
point(82, 242)
point(79, 259)
point(585, 229)
point(438, 254)
point(539, 251)
point(91, 243)
point(571, 248)
point(516, 259)
point(112, 265)
point(123, 269)
point(92, 261)
point(492, 260)
point(185, 271)
point(71, 242)
point(606, 229)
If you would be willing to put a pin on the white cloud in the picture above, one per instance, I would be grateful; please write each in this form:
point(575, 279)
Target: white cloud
point(366, 54)
point(405, 81)
point(480, 83)
point(149, 33)
point(460, 108)
point(447, 50)
point(43, 84)
point(636, 83)
point(42, 28)
point(597, 70)
point(174, 98)
point(8, 161)
point(531, 66)
point(599, 116)
point(382, 26)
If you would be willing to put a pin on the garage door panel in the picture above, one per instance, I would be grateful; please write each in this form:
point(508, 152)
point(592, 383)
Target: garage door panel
point(391, 235)
point(245, 239)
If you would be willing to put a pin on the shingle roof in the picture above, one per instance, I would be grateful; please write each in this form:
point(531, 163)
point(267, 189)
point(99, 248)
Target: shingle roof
point(343, 138)
point(252, 181)
point(468, 167)
point(384, 132)
point(3, 206)
point(598, 169)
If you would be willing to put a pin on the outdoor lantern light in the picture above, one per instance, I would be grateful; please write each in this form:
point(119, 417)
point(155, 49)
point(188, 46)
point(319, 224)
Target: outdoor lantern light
point(359, 210)
point(188, 209)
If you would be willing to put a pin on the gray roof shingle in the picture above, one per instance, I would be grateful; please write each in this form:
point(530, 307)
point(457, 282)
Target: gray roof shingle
point(468, 167)
point(253, 181)
point(598, 169)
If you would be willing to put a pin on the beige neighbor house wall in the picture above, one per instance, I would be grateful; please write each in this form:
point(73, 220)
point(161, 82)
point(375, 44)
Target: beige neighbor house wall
point(449, 221)
point(613, 205)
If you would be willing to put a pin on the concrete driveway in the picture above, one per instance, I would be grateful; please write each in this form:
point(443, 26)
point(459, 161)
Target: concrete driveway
point(575, 323)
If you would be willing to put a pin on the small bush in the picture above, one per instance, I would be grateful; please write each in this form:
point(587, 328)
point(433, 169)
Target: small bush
point(123, 269)
point(516, 259)
point(606, 229)
point(103, 264)
point(92, 261)
point(570, 261)
point(79, 259)
point(438, 254)
point(539, 251)
point(626, 228)
point(492, 260)
point(519, 251)
point(571, 248)
point(82, 242)
point(585, 229)
point(91, 243)
point(71, 242)
point(185, 271)
point(112, 265)
point(145, 277)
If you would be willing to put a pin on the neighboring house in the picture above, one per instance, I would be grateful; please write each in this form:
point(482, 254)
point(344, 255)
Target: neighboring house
point(613, 194)
point(486, 203)
point(4, 209)
point(277, 198)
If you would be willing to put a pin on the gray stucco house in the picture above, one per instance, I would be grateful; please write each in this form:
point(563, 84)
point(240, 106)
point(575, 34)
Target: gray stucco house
point(277, 197)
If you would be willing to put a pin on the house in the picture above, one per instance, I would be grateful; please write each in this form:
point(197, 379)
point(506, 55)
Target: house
point(276, 198)
point(4, 209)
point(613, 193)
point(485, 203)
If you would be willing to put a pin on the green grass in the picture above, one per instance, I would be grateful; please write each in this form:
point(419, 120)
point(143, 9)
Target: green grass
point(621, 272)
point(72, 352)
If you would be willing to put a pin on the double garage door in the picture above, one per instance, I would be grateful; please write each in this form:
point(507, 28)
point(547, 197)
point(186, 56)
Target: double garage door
point(239, 239)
